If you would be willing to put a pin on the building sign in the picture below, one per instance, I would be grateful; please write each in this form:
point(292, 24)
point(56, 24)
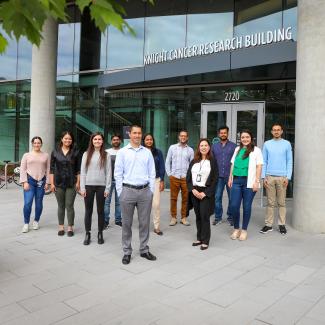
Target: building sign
point(229, 44)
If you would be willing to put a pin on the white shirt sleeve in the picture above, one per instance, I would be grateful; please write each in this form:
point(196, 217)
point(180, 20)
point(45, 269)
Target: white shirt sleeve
point(152, 173)
point(168, 161)
point(83, 173)
point(259, 156)
point(118, 172)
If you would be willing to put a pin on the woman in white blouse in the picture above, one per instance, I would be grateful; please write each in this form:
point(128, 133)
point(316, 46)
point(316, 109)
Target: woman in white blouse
point(244, 181)
point(201, 181)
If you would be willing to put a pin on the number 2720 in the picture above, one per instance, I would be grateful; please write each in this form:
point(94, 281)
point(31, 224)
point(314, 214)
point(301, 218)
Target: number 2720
point(231, 96)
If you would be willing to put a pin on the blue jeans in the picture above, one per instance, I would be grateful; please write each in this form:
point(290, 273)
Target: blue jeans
point(218, 211)
point(107, 206)
point(239, 192)
point(36, 190)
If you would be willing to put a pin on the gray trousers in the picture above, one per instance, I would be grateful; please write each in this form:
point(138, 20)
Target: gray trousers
point(65, 199)
point(129, 199)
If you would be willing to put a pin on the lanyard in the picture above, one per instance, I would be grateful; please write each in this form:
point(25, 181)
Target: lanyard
point(201, 164)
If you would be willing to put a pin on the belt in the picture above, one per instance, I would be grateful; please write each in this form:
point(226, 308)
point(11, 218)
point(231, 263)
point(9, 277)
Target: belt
point(240, 177)
point(136, 187)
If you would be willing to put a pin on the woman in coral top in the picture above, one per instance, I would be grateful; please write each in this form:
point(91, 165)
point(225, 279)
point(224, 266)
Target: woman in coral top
point(34, 176)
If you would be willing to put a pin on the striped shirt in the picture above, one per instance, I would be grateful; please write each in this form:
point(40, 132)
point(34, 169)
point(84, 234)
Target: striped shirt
point(178, 159)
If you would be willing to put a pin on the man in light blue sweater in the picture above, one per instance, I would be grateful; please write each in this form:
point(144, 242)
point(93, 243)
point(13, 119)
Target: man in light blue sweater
point(276, 173)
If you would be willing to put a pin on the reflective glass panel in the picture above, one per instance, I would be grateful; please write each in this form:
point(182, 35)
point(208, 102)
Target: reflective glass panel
point(103, 50)
point(24, 59)
point(8, 101)
point(214, 121)
point(257, 16)
point(164, 33)
point(65, 48)
point(246, 120)
point(8, 60)
point(76, 46)
point(203, 28)
point(290, 20)
point(126, 50)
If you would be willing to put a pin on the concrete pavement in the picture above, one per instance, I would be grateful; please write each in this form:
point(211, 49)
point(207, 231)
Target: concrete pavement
point(46, 279)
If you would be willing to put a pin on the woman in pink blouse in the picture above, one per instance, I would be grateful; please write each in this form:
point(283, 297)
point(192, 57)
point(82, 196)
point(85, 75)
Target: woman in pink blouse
point(34, 175)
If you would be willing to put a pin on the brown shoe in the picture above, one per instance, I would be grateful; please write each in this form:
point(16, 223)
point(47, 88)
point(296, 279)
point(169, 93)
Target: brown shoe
point(173, 222)
point(158, 232)
point(243, 235)
point(235, 234)
point(185, 222)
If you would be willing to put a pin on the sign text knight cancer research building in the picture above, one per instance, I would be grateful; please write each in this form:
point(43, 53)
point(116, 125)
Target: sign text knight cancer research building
point(229, 44)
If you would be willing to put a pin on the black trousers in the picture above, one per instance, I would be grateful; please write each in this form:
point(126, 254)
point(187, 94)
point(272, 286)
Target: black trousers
point(91, 190)
point(201, 209)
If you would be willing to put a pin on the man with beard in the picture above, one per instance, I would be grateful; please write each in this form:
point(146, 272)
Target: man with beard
point(222, 153)
point(178, 159)
point(276, 173)
point(116, 144)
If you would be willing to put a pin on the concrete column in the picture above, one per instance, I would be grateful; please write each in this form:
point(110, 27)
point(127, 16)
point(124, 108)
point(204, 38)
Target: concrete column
point(309, 185)
point(43, 86)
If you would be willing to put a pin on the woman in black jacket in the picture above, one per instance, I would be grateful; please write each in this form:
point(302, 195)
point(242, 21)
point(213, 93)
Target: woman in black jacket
point(65, 179)
point(201, 181)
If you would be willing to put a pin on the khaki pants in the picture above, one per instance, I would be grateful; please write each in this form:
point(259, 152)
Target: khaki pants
point(176, 185)
point(276, 197)
point(156, 205)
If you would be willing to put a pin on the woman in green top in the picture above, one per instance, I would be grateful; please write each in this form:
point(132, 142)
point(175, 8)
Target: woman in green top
point(246, 168)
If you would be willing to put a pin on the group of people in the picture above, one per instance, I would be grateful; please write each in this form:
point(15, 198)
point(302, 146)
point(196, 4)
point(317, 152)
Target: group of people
point(135, 173)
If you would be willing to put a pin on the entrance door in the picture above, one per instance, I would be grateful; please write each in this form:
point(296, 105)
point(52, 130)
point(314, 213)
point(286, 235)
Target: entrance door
point(237, 116)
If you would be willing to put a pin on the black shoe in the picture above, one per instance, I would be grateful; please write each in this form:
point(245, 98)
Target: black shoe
point(87, 238)
point(126, 259)
point(282, 229)
point(148, 256)
point(100, 238)
point(202, 248)
point(61, 233)
point(196, 243)
point(266, 229)
point(106, 224)
point(118, 223)
point(70, 233)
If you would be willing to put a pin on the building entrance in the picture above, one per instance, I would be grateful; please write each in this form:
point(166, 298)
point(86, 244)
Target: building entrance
point(237, 116)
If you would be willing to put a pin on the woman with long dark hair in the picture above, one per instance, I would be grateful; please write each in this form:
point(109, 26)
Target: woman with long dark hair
point(244, 181)
point(34, 176)
point(201, 179)
point(65, 179)
point(149, 143)
point(95, 179)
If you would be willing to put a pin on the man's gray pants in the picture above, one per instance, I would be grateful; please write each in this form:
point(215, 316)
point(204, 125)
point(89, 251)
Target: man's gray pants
point(129, 199)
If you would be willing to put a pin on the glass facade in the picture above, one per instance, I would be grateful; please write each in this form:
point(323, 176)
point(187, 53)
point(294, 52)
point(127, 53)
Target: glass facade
point(84, 108)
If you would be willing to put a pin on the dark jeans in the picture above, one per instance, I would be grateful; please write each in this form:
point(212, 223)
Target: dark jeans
point(91, 190)
point(36, 190)
point(65, 198)
point(201, 208)
point(240, 192)
point(107, 206)
point(221, 184)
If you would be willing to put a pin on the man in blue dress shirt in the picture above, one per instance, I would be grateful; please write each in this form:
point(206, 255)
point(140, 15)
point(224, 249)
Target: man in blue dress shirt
point(135, 181)
point(222, 152)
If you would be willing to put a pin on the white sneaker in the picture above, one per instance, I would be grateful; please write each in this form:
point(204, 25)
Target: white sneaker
point(25, 228)
point(35, 225)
